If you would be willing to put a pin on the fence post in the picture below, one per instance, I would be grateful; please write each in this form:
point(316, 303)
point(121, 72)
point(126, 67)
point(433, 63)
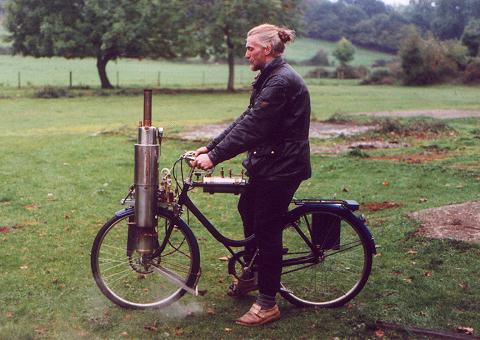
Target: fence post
point(19, 82)
point(70, 80)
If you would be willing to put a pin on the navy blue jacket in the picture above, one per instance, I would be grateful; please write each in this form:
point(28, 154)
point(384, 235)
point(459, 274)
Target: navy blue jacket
point(274, 128)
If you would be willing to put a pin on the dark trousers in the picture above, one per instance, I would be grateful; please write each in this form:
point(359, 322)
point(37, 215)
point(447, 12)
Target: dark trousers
point(262, 207)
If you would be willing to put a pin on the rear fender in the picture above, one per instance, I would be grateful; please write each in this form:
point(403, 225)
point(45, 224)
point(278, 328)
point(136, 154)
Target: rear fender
point(338, 209)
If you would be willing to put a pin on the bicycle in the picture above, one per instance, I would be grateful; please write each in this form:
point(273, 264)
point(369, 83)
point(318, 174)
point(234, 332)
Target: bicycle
point(327, 248)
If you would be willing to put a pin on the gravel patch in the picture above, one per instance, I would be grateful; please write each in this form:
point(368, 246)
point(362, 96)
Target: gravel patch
point(317, 130)
point(456, 221)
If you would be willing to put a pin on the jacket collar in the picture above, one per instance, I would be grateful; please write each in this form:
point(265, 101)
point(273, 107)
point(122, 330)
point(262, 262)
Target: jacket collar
point(269, 68)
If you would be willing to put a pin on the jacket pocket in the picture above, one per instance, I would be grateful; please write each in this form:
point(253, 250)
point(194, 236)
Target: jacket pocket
point(260, 161)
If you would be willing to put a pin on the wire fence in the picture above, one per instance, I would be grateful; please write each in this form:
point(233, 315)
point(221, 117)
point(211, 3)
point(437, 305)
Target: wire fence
point(21, 72)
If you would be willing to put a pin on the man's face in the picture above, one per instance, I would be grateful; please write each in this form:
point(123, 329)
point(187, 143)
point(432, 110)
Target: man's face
point(255, 53)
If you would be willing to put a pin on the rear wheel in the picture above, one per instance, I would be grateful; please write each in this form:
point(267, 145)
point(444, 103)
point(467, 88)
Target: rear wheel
point(330, 272)
point(132, 280)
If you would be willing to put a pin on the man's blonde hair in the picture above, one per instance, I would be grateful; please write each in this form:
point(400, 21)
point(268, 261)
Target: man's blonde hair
point(273, 35)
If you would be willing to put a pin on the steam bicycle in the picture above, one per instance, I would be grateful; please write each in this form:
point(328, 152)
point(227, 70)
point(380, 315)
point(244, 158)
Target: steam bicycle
point(327, 247)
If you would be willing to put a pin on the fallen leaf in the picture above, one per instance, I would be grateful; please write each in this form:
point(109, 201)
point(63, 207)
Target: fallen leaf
point(4, 230)
point(428, 274)
point(223, 258)
point(9, 315)
point(386, 184)
point(408, 280)
point(423, 200)
point(210, 311)
point(178, 331)
point(31, 207)
point(153, 327)
point(124, 334)
point(465, 330)
point(463, 285)
point(379, 333)
point(345, 190)
point(412, 252)
point(23, 267)
point(228, 329)
point(51, 196)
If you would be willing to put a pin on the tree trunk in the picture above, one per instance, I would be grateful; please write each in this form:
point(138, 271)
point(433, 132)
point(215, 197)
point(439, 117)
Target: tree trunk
point(231, 62)
point(102, 72)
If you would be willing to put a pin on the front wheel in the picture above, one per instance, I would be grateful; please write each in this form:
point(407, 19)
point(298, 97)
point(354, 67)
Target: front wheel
point(133, 281)
point(328, 259)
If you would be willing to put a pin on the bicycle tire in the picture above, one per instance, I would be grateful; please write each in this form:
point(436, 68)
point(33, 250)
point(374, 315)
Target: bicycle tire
point(126, 281)
point(338, 272)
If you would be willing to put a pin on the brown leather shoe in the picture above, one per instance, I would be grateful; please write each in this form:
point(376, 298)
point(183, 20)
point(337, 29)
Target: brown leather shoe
point(242, 287)
point(257, 316)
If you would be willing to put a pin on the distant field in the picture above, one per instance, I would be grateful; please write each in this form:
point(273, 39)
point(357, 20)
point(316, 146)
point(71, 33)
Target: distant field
point(304, 49)
point(131, 72)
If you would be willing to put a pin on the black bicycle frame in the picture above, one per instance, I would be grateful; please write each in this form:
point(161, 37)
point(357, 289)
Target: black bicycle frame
point(184, 200)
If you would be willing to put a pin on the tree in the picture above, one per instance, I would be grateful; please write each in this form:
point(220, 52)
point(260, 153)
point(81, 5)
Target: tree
point(223, 25)
point(344, 51)
point(449, 19)
point(471, 37)
point(103, 29)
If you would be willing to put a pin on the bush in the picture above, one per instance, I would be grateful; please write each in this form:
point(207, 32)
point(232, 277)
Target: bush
point(426, 61)
point(320, 58)
point(51, 92)
point(414, 126)
point(456, 52)
point(350, 72)
point(379, 77)
point(320, 72)
point(472, 72)
point(379, 63)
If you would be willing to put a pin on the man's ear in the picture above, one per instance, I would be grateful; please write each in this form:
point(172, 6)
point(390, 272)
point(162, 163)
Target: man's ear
point(268, 50)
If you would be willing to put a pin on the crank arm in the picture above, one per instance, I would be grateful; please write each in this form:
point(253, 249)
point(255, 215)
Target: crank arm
point(175, 279)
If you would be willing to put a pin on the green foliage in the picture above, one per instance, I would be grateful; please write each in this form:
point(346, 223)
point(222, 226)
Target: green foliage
point(471, 37)
point(344, 52)
point(449, 21)
point(51, 92)
point(222, 26)
point(426, 61)
point(379, 77)
point(105, 30)
point(472, 72)
point(319, 59)
point(320, 72)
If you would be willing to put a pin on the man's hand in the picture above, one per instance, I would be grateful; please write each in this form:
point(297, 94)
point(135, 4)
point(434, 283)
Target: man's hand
point(203, 162)
point(200, 151)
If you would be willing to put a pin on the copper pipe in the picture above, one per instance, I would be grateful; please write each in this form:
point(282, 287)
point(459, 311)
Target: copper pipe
point(147, 108)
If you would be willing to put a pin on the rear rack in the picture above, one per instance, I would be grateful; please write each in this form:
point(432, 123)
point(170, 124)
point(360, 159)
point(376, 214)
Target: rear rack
point(350, 204)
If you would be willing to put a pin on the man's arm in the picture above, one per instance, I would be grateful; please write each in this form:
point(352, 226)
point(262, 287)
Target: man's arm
point(257, 123)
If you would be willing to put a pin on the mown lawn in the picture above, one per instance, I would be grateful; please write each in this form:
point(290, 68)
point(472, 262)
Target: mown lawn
point(65, 164)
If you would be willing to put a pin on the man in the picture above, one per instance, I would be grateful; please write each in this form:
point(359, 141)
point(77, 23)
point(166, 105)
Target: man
point(274, 131)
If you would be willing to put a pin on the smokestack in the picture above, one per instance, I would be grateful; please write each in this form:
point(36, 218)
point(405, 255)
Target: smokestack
point(146, 178)
point(147, 108)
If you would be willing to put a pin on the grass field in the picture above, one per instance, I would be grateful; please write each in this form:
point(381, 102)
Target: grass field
point(65, 164)
point(29, 71)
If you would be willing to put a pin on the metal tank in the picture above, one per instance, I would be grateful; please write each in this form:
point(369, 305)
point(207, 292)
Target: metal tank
point(147, 151)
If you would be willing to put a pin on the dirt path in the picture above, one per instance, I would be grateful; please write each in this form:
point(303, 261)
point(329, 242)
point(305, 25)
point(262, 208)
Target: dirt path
point(317, 130)
point(440, 114)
